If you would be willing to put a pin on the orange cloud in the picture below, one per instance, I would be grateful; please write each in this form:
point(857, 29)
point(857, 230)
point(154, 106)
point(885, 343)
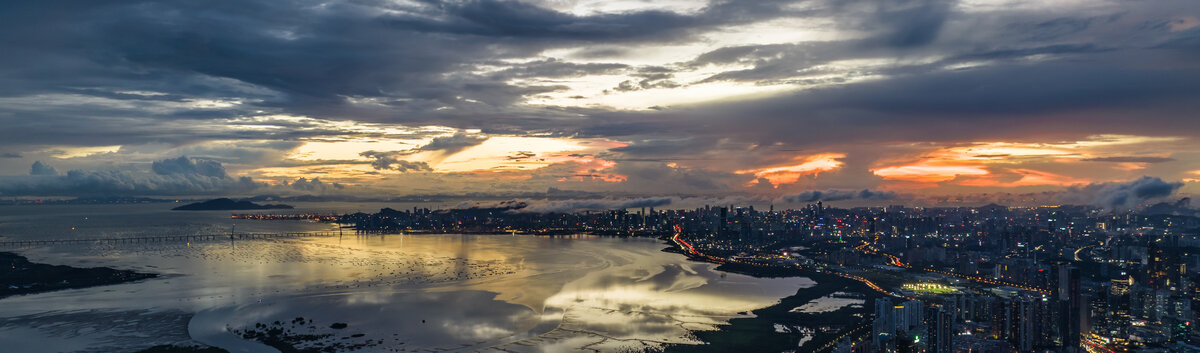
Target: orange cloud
point(999, 152)
point(1029, 177)
point(1132, 166)
point(1195, 177)
point(502, 174)
point(562, 168)
point(929, 171)
point(588, 168)
point(975, 164)
point(812, 165)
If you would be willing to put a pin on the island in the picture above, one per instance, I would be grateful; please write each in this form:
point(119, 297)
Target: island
point(225, 204)
point(19, 276)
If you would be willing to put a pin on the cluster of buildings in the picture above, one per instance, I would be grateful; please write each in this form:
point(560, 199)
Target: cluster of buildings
point(1031, 279)
point(1038, 280)
point(1078, 315)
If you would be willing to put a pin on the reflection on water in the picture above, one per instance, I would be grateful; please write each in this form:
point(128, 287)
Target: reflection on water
point(410, 292)
point(430, 320)
point(829, 303)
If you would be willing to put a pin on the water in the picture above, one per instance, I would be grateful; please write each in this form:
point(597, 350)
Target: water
point(394, 293)
point(830, 303)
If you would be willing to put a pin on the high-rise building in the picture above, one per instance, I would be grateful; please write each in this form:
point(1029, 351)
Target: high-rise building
point(908, 315)
point(723, 230)
point(1070, 308)
point(1098, 319)
point(883, 329)
point(940, 322)
point(1018, 320)
point(1119, 308)
point(1156, 266)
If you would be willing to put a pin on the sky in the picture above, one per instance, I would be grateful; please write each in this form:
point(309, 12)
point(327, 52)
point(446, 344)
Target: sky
point(861, 102)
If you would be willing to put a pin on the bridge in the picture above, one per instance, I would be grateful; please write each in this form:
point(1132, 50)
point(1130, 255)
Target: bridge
point(166, 239)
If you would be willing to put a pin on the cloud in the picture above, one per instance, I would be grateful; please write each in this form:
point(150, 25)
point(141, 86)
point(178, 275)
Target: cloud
point(839, 195)
point(191, 79)
point(555, 68)
point(190, 166)
point(177, 176)
point(1120, 195)
point(303, 184)
point(453, 144)
point(565, 206)
point(389, 160)
point(42, 169)
point(811, 165)
point(1130, 159)
point(910, 23)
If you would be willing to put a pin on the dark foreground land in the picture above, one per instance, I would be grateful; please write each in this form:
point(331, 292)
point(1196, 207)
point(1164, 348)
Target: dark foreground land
point(778, 329)
point(182, 349)
point(18, 276)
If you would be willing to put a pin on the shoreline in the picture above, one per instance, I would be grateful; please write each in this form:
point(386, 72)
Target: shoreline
point(762, 330)
point(19, 276)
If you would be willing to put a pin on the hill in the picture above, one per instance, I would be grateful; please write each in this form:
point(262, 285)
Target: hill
point(224, 204)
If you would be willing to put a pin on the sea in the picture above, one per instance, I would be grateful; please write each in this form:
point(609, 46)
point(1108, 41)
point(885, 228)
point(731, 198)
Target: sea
point(362, 293)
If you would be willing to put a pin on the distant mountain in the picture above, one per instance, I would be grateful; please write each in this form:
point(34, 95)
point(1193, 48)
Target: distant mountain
point(224, 204)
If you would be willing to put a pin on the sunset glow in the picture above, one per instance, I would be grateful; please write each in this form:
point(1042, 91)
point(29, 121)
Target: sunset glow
point(929, 172)
point(812, 166)
point(632, 98)
point(599, 176)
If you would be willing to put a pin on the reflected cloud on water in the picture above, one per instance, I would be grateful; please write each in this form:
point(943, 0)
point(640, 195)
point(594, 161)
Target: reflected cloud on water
point(474, 292)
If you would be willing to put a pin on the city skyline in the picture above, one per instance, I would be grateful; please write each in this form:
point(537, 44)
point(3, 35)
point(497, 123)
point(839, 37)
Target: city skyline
point(856, 103)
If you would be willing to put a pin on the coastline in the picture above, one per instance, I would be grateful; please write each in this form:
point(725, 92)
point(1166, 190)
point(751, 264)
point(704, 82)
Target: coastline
point(18, 276)
point(763, 330)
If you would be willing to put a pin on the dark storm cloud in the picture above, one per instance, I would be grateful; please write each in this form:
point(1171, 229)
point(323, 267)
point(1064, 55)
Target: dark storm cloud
point(1059, 27)
point(775, 61)
point(1120, 195)
point(564, 206)
point(651, 81)
point(10, 155)
point(414, 61)
point(659, 177)
point(667, 148)
point(40, 168)
point(1013, 89)
point(390, 160)
point(309, 58)
point(315, 185)
point(1130, 159)
point(839, 195)
point(185, 165)
point(911, 23)
point(453, 144)
point(93, 73)
point(517, 19)
point(179, 176)
point(554, 68)
point(1002, 100)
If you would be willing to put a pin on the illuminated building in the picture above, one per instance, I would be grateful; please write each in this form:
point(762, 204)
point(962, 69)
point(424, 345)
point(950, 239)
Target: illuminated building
point(1070, 305)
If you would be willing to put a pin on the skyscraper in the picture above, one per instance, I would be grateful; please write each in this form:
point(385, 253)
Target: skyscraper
point(1069, 308)
point(940, 322)
point(883, 329)
point(1018, 321)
